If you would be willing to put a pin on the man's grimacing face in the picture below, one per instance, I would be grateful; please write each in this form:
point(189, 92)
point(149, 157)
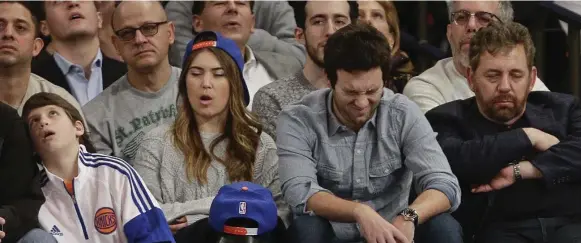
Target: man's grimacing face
point(357, 95)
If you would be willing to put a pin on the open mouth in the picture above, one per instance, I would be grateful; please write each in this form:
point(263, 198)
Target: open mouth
point(205, 99)
point(47, 134)
point(76, 16)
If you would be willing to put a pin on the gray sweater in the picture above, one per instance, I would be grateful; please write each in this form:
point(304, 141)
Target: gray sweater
point(162, 167)
point(273, 97)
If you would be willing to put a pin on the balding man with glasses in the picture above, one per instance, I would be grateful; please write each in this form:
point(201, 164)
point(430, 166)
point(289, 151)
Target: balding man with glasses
point(146, 96)
point(446, 81)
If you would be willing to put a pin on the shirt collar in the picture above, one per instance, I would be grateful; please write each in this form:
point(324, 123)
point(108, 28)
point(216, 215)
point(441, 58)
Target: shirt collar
point(334, 125)
point(56, 180)
point(65, 66)
point(251, 60)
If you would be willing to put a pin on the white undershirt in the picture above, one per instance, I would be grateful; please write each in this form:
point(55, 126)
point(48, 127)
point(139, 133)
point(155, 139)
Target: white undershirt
point(255, 75)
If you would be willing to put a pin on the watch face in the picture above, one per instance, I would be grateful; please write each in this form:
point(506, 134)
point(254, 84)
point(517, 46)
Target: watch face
point(410, 213)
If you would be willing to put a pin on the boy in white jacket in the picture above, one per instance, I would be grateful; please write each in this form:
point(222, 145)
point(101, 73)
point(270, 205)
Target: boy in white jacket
point(89, 197)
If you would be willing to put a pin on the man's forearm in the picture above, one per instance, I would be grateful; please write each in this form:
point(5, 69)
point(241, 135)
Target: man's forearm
point(332, 208)
point(429, 204)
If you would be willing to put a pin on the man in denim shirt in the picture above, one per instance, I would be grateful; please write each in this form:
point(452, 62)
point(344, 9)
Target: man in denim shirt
point(348, 154)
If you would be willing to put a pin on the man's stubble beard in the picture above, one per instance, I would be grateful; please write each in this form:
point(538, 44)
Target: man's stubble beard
point(312, 53)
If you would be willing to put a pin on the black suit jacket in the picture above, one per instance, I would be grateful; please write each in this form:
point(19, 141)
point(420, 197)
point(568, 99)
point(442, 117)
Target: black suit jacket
point(45, 66)
point(476, 153)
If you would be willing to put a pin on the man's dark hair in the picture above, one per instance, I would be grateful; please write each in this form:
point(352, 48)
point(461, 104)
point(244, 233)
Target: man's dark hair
point(32, 7)
point(356, 47)
point(199, 6)
point(299, 8)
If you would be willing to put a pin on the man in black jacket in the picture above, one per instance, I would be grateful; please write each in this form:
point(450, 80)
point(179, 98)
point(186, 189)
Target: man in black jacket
point(20, 193)
point(73, 59)
point(516, 153)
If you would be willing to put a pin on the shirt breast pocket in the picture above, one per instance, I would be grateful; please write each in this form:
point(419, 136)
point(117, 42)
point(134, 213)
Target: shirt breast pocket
point(330, 178)
point(383, 174)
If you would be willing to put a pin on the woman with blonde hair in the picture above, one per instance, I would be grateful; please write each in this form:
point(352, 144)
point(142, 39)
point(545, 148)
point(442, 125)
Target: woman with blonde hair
point(383, 16)
point(214, 140)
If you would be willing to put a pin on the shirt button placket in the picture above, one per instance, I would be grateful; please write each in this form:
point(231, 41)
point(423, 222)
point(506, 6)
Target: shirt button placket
point(358, 172)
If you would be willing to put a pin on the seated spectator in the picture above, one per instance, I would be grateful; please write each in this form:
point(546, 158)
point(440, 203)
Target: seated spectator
point(19, 38)
point(446, 81)
point(349, 154)
point(516, 153)
point(105, 193)
point(77, 64)
point(21, 195)
point(235, 20)
point(106, 9)
point(273, 32)
point(383, 16)
point(316, 21)
point(214, 140)
point(240, 212)
point(146, 96)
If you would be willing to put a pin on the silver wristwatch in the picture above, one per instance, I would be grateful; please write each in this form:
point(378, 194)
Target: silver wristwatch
point(410, 214)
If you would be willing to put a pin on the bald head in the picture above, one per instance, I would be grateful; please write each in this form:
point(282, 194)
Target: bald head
point(133, 9)
point(142, 34)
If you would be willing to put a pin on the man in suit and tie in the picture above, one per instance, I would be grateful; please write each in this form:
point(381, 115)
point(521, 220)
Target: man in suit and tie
point(73, 59)
point(235, 20)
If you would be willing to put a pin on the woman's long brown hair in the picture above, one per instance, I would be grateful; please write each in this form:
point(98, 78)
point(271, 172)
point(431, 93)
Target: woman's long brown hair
point(242, 129)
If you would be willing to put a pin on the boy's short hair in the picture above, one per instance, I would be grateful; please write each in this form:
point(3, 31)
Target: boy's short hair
point(43, 99)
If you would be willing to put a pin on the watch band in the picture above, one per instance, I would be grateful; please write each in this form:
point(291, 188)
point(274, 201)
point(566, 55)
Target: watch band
point(516, 170)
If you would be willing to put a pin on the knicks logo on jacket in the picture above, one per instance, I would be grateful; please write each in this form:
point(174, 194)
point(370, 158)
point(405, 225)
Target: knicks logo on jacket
point(105, 220)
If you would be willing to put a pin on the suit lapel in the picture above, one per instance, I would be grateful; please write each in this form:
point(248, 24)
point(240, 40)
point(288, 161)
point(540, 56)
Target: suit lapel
point(51, 72)
point(111, 70)
point(269, 61)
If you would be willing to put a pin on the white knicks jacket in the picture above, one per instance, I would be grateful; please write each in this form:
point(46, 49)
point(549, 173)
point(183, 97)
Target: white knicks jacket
point(109, 203)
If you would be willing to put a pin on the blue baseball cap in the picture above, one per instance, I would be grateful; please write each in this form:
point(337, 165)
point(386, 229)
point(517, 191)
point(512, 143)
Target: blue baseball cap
point(243, 200)
point(207, 39)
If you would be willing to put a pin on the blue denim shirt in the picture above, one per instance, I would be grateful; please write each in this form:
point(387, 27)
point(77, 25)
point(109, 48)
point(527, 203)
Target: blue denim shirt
point(374, 166)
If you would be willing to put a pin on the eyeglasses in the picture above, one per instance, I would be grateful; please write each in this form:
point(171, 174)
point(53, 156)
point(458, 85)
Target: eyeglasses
point(462, 17)
point(147, 29)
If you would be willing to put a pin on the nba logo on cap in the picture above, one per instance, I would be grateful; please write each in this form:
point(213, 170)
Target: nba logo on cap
point(242, 208)
point(243, 200)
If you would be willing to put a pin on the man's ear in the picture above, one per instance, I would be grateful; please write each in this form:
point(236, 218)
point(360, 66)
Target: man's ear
point(253, 24)
point(99, 20)
point(449, 33)
point(197, 23)
point(300, 35)
point(470, 77)
point(533, 78)
point(37, 46)
point(44, 29)
point(116, 43)
point(172, 32)
point(79, 128)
